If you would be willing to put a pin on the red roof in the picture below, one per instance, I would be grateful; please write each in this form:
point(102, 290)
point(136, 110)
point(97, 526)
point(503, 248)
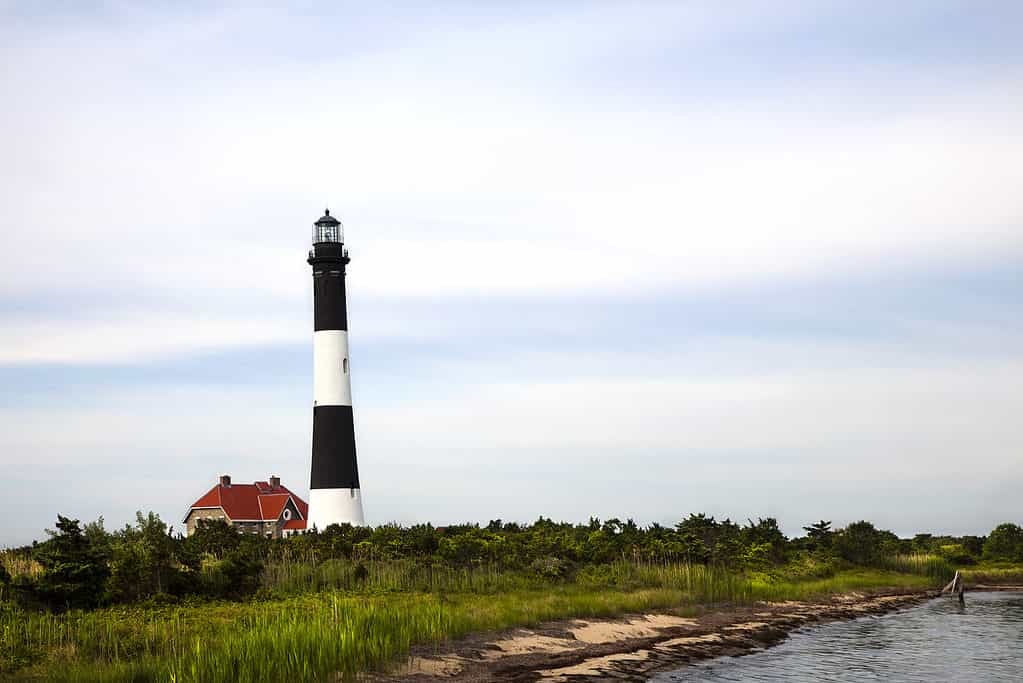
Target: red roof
point(295, 524)
point(272, 504)
point(250, 502)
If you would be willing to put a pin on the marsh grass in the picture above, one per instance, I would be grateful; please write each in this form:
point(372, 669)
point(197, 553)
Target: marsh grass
point(922, 564)
point(289, 577)
point(358, 624)
point(994, 575)
point(308, 637)
point(18, 564)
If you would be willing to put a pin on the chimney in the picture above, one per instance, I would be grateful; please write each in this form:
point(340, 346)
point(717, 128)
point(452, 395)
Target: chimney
point(225, 480)
point(275, 481)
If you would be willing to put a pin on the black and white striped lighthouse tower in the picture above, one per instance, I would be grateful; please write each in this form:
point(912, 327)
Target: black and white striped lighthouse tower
point(334, 495)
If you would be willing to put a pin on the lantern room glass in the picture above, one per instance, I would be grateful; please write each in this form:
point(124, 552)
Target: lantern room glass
point(327, 232)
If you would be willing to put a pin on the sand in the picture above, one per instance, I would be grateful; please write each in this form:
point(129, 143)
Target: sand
point(630, 648)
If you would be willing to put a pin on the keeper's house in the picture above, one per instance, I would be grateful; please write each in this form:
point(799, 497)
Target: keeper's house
point(263, 507)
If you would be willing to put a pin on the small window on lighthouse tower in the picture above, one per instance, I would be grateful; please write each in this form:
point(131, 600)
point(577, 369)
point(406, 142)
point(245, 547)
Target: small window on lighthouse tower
point(344, 366)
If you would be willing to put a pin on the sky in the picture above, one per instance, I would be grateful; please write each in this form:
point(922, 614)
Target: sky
point(628, 260)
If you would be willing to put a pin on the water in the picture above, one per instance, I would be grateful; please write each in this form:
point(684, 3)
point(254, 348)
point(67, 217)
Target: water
point(937, 641)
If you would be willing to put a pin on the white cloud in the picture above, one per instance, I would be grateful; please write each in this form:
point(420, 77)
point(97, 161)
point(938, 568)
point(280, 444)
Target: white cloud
point(883, 411)
point(452, 182)
point(132, 339)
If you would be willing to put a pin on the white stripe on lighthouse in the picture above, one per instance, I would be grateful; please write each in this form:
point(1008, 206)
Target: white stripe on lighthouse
point(331, 506)
point(332, 384)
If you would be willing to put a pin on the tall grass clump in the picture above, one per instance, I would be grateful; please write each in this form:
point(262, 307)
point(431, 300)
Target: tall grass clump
point(994, 576)
point(343, 636)
point(699, 583)
point(921, 564)
point(19, 564)
point(296, 577)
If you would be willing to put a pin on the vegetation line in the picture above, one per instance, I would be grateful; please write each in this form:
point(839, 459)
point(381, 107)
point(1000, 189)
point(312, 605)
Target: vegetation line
point(143, 605)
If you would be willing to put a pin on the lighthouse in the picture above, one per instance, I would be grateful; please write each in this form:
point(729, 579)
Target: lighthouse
point(334, 495)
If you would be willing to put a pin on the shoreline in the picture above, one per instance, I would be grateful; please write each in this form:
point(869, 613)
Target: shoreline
point(633, 647)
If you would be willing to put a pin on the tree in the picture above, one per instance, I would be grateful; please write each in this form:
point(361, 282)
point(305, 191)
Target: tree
point(1005, 543)
point(819, 535)
point(215, 536)
point(144, 559)
point(765, 532)
point(924, 543)
point(859, 543)
point(157, 548)
point(689, 547)
point(74, 571)
point(705, 528)
point(974, 545)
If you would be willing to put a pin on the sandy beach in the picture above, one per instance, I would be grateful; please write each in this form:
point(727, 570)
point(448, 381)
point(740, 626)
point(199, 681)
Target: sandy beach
point(634, 646)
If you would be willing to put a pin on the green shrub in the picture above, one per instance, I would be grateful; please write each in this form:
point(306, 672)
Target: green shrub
point(1005, 543)
point(74, 570)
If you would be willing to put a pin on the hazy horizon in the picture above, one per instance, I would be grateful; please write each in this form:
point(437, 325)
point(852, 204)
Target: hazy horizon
point(608, 260)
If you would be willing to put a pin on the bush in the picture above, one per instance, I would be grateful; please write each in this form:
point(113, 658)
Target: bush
point(87, 567)
point(550, 567)
point(214, 537)
point(861, 543)
point(1005, 543)
point(957, 554)
point(812, 565)
point(241, 573)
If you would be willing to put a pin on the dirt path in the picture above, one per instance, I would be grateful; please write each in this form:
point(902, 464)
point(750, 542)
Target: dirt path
point(632, 647)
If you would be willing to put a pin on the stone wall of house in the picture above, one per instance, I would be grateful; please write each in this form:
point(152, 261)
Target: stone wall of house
point(195, 515)
point(273, 529)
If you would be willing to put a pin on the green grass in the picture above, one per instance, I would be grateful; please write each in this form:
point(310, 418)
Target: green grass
point(285, 577)
point(933, 566)
point(315, 636)
point(994, 574)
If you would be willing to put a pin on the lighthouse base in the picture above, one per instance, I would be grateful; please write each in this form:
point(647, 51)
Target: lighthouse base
point(334, 506)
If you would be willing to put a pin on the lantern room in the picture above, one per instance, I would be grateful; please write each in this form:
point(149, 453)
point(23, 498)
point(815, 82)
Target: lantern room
point(328, 230)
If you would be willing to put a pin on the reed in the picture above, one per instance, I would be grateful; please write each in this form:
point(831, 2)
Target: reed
point(19, 564)
point(922, 564)
point(291, 577)
point(993, 576)
point(361, 624)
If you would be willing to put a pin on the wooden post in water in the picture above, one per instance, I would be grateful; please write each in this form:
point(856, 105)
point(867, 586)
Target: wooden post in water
point(956, 588)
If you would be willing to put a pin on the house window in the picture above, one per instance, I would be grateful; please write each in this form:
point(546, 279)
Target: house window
point(287, 515)
point(344, 366)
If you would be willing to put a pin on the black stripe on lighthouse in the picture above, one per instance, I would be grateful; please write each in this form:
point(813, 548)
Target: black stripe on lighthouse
point(330, 309)
point(334, 464)
point(334, 495)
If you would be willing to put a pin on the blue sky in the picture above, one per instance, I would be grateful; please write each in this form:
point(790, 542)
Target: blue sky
point(609, 259)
